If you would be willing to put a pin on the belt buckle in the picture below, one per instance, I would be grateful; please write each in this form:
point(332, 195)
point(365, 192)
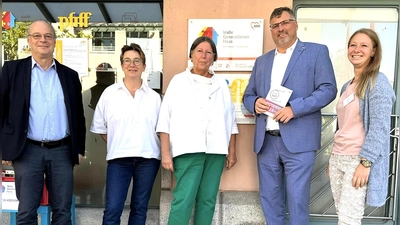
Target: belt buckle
point(43, 144)
point(274, 132)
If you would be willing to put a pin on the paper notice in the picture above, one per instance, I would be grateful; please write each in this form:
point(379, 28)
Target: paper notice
point(277, 98)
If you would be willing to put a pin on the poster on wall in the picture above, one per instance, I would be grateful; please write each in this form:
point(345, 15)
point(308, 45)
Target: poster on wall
point(9, 198)
point(152, 50)
point(239, 41)
point(23, 48)
point(74, 53)
point(237, 84)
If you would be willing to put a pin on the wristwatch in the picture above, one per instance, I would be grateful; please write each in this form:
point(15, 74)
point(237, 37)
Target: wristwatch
point(366, 163)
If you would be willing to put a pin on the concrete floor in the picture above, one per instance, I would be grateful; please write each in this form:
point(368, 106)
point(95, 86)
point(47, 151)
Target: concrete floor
point(93, 216)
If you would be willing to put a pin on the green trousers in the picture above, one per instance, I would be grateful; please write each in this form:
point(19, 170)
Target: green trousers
point(197, 181)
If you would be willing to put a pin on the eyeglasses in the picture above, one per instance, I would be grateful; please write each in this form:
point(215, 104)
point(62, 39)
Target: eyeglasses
point(37, 36)
point(283, 23)
point(200, 52)
point(128, 61)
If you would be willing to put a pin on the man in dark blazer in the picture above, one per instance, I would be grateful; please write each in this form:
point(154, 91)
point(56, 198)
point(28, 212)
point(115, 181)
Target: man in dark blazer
point(286, 142)
point(42, 126)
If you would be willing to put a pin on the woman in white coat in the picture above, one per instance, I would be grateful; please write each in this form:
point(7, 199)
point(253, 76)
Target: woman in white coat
point(197, 130)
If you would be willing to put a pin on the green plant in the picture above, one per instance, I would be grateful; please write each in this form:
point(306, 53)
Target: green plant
point(10, 39)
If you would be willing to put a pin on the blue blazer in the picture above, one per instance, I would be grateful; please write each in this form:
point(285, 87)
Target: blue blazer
point(15, 92)
point(311, 77)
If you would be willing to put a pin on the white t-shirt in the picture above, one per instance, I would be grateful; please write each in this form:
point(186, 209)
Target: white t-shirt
point(129, 122)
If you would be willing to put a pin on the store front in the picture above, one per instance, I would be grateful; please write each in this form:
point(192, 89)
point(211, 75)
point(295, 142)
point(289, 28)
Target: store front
point(107, 24)
point(115, 23)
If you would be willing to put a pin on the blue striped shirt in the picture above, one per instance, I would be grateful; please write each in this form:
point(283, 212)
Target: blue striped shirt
point(48, 119)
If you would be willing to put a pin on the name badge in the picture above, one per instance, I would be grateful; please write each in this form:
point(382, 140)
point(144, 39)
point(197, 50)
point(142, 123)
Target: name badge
point(347, 100)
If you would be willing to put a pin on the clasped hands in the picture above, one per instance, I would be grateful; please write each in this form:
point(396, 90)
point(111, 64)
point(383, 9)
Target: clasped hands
point(284, 115)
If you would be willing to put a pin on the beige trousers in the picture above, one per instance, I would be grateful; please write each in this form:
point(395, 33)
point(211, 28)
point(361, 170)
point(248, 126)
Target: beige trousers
point(349, 202)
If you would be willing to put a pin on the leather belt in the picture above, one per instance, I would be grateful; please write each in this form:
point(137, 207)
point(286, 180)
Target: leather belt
point(274, 132)
point(49, 144)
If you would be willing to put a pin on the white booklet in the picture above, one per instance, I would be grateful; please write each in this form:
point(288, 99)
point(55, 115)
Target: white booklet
point(277, 98)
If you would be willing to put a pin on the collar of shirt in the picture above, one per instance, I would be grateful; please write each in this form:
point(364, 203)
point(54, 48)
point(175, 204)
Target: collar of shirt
point(193, 77)
point(289, 50)
point(144, 87)
point(191, 67)
point(34, 63)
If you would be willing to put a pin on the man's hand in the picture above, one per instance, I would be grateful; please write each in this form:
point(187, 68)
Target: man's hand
point(284, 115)
point(261, 105)
point(80, 159)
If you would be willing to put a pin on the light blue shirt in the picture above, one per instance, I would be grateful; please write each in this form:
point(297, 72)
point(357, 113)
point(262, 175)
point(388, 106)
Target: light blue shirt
point(48, 119)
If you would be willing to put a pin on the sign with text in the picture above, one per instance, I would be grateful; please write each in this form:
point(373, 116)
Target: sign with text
point(74, 20)
point(9, 198)
point(8, 195)
point(74, 53)
point(24, 50)
point(239, 41)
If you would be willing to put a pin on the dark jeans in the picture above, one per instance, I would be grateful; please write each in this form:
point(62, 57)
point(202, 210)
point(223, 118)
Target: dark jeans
point(119, 174)
point(30, 168)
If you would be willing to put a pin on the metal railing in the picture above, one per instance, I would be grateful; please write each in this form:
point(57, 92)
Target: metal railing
point(103, 48)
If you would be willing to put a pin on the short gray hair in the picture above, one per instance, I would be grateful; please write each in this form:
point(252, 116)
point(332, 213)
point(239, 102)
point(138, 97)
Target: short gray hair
point(52, 28)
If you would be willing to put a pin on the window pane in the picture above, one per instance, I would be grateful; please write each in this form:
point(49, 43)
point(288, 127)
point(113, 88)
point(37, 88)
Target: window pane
point(334, 26)
point(106, 34)
point(143, 35)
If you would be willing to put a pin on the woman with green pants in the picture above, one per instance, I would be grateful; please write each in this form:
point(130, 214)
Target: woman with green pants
point(198, 134)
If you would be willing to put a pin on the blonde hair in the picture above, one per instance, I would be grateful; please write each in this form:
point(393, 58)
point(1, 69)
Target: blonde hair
point(372, 69)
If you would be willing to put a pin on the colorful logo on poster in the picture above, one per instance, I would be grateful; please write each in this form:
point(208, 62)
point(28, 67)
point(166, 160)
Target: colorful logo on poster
point(209, 32)
point(7, 20)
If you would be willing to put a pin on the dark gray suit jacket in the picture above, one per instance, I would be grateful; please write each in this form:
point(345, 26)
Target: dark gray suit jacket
point(15, 92)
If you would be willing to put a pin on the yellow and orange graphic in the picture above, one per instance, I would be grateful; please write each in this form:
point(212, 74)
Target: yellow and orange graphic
point(237, 88)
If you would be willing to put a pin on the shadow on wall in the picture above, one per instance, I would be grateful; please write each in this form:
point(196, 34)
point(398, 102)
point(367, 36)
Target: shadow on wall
point(105, 76)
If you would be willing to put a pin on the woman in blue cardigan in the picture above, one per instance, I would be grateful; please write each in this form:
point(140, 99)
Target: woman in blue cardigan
point(359, 163)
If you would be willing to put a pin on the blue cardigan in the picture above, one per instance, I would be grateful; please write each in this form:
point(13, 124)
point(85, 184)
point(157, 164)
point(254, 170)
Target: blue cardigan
point(375, 110)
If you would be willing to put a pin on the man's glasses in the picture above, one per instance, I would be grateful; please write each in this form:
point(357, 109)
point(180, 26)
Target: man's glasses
point(128, 61)
point(283, 23)
point(36, 36)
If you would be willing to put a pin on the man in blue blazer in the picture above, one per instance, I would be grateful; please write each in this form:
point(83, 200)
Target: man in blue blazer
point(42, 126)
point(286, 142)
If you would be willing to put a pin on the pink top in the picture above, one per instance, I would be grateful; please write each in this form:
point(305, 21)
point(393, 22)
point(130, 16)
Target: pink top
point(350, 136)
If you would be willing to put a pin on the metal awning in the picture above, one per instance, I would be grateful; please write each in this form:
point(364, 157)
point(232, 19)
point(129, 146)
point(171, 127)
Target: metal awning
point(109, 11)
